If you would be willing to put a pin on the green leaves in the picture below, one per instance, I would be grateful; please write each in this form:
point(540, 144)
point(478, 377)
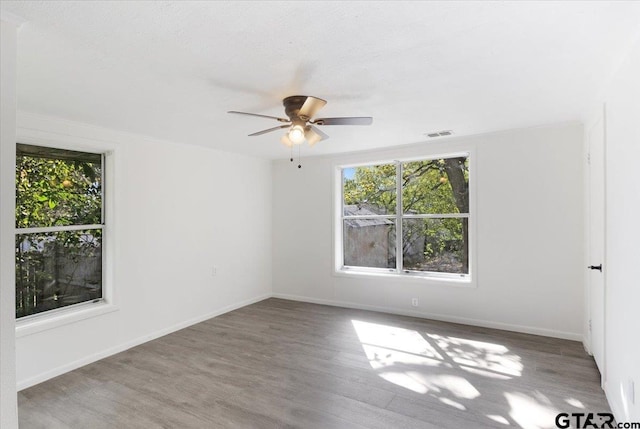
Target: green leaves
point(54, 192)
point(427, 187)
point(435, 187)
point(373, 186)
point(56, 187)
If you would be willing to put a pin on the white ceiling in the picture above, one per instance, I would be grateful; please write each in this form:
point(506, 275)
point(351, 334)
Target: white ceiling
point(172, 70)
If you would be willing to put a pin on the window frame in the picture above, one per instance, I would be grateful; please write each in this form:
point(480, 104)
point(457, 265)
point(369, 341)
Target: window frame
point(54, 318)
point(340, 269)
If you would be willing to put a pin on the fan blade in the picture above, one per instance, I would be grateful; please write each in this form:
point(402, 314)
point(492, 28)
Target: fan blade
point(362, 120)
point(311, 106)
point(314, 135)
point(260, 116)
point(286, 141)
point(259, 133)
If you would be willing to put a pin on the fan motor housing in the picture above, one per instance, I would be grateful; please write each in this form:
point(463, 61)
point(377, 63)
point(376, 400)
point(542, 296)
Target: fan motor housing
point(293, 104)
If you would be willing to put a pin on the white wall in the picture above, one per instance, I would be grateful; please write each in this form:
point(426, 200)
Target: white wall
point(8, 404)
point(178, 210)
point(529, 247)
point(622, 323)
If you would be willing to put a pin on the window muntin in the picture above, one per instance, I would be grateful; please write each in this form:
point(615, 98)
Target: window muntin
point(59, 228)
point(430, 234)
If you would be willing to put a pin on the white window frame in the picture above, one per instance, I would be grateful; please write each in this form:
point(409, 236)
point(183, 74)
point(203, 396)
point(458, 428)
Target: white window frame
point(399, 271)
point(39, 322)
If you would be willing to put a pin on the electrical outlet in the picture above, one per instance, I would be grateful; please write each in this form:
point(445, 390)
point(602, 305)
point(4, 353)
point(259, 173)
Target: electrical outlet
point(414, 302)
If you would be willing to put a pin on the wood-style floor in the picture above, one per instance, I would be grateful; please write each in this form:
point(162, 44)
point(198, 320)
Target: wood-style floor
point(285, 364)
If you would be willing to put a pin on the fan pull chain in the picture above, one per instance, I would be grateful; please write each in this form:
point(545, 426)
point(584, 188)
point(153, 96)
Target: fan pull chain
point(299, 164)
point(291, 159)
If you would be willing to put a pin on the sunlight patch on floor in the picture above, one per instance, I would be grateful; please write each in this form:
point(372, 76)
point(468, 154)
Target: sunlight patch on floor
point(453, 403)
point(420, 382)
point(531, 412)
point(396, 352)
point(456, 385)
point(575, 403)
point(381, 357)
point(499, 419)
point(479, 354)
point(393, 338)
point(404, 379)
point(485, 373)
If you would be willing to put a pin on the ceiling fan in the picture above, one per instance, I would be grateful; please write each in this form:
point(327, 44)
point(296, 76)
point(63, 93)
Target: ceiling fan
point(300, 110)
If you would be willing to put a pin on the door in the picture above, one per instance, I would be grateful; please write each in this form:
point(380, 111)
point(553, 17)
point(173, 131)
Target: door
point(597, 296)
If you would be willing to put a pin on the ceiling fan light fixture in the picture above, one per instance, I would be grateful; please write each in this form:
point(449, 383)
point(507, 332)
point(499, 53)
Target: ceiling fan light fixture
point(301, 125)
point(286, 141)
point(296, 134)
point(311, 136)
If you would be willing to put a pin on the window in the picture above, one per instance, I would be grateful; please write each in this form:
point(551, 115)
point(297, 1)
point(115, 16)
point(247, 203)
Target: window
point(59, 228)
point(407, 217)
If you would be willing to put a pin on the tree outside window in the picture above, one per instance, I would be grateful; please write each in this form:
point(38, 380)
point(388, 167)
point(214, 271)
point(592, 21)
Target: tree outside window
point(59, 228)
point(425, 202)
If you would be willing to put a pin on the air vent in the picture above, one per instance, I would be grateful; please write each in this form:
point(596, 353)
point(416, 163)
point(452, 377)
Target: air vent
point(439, 133)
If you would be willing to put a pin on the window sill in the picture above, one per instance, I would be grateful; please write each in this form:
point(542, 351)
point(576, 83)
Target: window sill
point(430, 279)
point(43, 322)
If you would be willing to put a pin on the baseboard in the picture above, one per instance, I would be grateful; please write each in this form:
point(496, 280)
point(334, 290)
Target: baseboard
point(440, 317)
point(136, 342)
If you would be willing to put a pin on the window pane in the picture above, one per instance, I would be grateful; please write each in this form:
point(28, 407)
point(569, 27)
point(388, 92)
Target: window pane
point(370, 243)
point(57, 187)
point(369, 190)
point(439, 245)
point(57, 269)
point(436, 186)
